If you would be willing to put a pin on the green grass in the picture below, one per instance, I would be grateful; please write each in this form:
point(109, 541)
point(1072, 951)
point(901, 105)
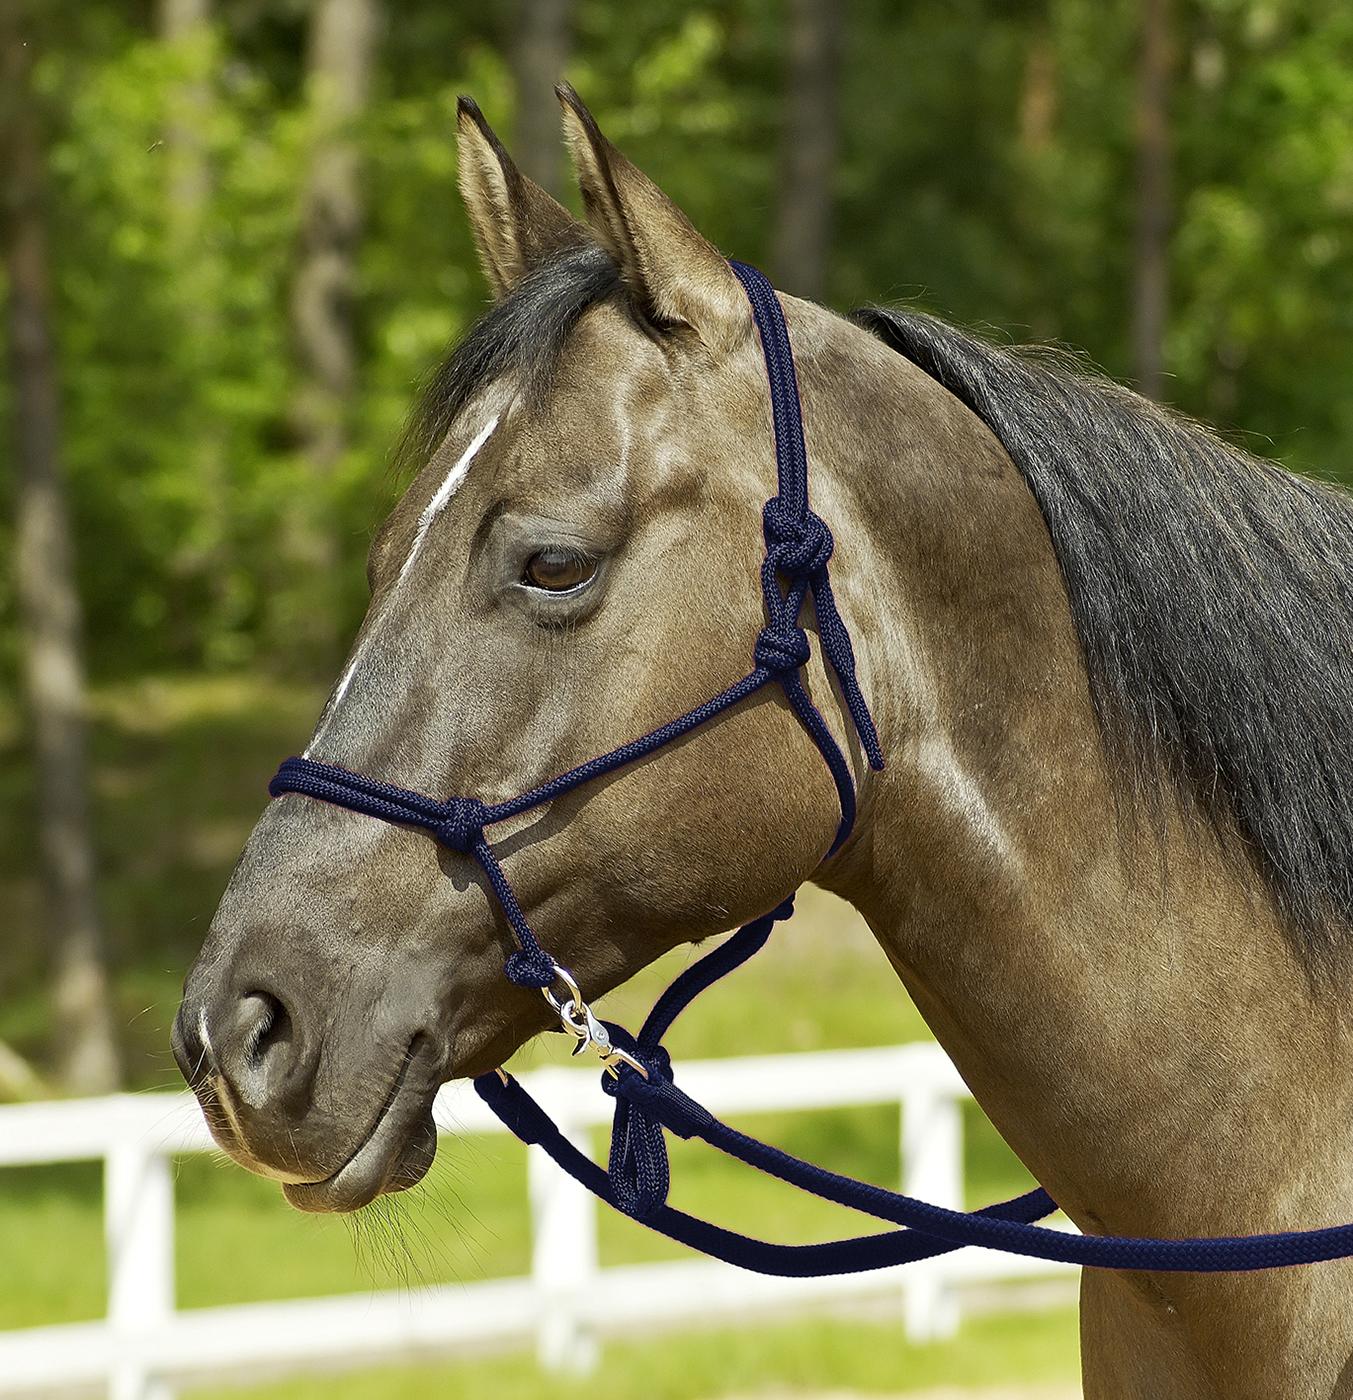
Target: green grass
point(51, 1238)
point(807, 1356)
point(180, 768)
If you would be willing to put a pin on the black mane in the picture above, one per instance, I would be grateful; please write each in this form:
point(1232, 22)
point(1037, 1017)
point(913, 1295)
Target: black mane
point(1213, 596)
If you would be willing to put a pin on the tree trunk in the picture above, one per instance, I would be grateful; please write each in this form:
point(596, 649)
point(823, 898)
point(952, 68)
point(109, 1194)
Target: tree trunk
point(1039, 182)
point(18, 1079)
point(808, 159)
point(49, 606)
point(195, 269)
point(538, 53)
point(1038, 94)
point(340, 55)
point(182, 22)
point(1151, 272)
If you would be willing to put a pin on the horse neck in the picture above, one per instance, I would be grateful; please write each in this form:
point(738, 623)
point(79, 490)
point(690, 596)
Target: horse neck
point(1123, 1003)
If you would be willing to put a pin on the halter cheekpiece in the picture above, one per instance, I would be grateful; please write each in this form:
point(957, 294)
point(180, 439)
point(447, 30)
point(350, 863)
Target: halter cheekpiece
point(638, 1071)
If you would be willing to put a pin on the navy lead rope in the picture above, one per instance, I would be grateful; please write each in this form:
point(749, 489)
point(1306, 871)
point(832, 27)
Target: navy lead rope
point(639, 1075)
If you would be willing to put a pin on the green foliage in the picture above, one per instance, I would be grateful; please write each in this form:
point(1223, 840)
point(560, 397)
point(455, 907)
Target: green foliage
point(986, 167)
point(1264, 247)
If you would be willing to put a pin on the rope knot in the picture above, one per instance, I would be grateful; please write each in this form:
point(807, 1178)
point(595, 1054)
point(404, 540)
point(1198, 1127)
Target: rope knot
point(530, 967)
point(782, 649)
point(657, 1065)
point(638, 1167)
point(460, 823)
point(800, 545)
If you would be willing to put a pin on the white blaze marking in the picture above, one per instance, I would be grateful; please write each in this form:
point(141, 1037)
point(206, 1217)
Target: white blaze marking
point(452, 483)
point(444, 492)
point(347, 679)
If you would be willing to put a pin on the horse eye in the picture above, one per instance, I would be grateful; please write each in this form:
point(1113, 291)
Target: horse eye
point(558, 570)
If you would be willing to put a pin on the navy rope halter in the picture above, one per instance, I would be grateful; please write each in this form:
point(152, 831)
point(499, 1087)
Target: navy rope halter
point(638, 1070)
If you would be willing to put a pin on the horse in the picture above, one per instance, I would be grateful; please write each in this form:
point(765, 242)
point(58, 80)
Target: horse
point(1109, 657)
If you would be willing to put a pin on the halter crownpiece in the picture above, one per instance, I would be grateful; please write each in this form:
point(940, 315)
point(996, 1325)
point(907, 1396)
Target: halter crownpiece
point(638, 1070)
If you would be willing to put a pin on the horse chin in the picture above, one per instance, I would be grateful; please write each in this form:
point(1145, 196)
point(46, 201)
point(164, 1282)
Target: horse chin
point(397, 1149)
point(395, 1155)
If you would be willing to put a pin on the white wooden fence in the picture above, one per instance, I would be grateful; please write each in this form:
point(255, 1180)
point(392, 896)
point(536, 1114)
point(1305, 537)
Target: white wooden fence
point(566, 1304)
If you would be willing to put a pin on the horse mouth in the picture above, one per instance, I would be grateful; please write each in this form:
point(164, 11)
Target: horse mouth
point(394, 1155)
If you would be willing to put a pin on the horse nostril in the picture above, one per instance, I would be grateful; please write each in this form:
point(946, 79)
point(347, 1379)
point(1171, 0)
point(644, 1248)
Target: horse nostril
point(268, 1027)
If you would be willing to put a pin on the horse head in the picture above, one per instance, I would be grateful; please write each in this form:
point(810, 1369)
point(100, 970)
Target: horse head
point(576, 561)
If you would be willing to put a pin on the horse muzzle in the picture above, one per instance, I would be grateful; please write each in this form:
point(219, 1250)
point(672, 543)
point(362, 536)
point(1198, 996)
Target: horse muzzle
point(334, 1103)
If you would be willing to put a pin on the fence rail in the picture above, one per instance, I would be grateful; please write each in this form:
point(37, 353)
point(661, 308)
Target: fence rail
point(566, 1304)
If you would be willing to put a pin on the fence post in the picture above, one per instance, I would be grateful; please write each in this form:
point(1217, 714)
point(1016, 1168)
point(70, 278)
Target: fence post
point(138, 1217)
point(563, 1258)
point(932, 1169)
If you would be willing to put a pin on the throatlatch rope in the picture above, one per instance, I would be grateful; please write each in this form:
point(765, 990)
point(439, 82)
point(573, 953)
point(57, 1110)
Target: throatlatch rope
point(799, 547)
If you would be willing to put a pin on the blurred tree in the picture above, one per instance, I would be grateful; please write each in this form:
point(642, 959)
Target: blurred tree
point(1151, 281)
point(538, 50)
point(340, 55)
point(1262, 254)
point(1038, 93)
point(49, 606)
point(185, 26)
point(18, 1079)
point(182, 23)
point(808, 152)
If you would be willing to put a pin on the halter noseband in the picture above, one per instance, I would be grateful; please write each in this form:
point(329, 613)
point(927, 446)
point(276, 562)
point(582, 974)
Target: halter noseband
point(638, 1070)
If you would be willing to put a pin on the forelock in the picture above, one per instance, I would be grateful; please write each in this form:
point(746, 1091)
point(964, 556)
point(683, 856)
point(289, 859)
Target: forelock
point(523, 334)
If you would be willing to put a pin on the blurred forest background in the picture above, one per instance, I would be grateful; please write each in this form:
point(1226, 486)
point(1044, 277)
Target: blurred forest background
point(232, 245)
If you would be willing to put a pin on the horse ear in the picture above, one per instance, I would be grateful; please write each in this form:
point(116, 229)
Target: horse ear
point(676, 276)
point(516, 225)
